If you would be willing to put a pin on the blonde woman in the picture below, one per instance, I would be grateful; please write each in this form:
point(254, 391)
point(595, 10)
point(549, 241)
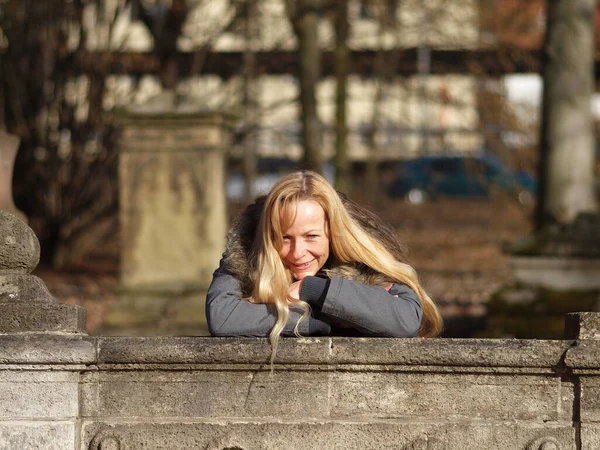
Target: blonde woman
point(308, 261)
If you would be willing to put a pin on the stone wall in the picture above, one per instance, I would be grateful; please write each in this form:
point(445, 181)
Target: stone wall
point(78, 392)
point(61, 389)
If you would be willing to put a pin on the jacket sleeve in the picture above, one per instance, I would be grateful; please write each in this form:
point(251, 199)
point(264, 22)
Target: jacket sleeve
point(371, 310)
point(228, 314)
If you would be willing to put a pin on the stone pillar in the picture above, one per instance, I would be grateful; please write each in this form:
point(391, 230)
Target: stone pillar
point(38, 408)
point(172, 216)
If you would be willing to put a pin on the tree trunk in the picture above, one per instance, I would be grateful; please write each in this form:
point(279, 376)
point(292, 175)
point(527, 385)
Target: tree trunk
point(305, 19)
point(250, 100)
point(566, 178)
point(380, 75)
point(342, 163)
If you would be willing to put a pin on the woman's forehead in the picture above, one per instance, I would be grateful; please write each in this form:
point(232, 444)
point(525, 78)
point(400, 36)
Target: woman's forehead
point(302, 213)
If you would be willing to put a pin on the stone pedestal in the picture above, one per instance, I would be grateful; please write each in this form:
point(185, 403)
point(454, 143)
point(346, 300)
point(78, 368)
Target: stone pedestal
point(554, 273)
point(172, 216)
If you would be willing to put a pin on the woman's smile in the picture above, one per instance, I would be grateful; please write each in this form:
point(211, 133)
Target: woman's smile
point(304, 265)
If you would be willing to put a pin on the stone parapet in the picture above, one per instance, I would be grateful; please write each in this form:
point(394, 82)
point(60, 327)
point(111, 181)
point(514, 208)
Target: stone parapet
point(332, 393)
point(442, 353)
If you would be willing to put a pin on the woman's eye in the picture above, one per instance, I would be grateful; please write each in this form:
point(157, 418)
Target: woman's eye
point(312, 236)
point(286, 238)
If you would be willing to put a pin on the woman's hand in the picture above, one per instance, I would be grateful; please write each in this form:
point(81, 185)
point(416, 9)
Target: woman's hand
point(294, 290)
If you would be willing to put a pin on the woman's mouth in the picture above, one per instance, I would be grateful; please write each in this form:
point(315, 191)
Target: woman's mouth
point(303, 265)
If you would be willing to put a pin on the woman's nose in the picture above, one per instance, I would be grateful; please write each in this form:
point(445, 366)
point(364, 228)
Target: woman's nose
point(298, 250)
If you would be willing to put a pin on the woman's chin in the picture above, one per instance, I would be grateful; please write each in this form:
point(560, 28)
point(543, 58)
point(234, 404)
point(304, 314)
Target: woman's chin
point(300, 276)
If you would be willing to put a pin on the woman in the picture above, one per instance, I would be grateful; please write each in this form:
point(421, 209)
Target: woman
point(308, 261)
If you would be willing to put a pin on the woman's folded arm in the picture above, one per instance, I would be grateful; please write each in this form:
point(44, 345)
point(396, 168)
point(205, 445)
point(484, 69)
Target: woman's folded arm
point(371, 310)
point(228, 314)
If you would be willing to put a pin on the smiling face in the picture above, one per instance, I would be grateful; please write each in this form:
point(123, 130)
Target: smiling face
point(306, 241)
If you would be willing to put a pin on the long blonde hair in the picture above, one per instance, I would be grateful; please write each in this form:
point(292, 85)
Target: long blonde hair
point(349, 243)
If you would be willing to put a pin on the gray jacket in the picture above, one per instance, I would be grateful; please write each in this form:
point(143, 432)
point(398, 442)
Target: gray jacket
point(339, 307)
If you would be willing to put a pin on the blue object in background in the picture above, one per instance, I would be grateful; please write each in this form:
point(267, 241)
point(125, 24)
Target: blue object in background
point(478, 175)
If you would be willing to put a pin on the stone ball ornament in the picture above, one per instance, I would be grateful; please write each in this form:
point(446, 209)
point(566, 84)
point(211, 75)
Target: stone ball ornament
point(19, 246)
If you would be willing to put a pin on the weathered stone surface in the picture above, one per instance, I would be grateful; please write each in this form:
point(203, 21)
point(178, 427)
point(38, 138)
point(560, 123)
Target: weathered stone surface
point(195, 350)
point(19, 247)
point(589, 402)
point(173, 220)
point(59, 435)
point(582, 325)
point(25, 303)
point(47, 349)
point(42, 317)
point(331, 393)
point(410, 352)
point(444, 396)
point(585, 355)
point(23, 288)
point(172, 182)
point(39, 395)
point(449, 352)
point(206, 393)
point(590, 436)
point(330, 435)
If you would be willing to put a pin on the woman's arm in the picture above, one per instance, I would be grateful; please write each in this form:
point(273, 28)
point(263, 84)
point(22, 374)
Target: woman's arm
point(371, 310)
point(228, 314)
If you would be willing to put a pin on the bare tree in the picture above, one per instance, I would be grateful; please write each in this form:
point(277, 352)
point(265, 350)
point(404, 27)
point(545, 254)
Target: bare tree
point(250, 100)
point(382, 73)
point(342, 163)
point(64, 168)
point(304, 17)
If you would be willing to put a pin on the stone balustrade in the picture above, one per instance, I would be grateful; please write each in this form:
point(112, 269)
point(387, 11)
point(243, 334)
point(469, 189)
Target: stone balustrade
point(61, 389)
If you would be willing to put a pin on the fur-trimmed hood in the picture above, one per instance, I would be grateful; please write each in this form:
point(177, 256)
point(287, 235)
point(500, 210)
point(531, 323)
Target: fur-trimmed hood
point(242, 234)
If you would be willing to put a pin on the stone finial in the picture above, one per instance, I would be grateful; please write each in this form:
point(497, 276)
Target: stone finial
point(582, 325)
point(19, 247)
point(26, 305)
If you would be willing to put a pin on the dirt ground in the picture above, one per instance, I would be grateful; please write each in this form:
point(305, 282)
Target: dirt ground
point(455, 245)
